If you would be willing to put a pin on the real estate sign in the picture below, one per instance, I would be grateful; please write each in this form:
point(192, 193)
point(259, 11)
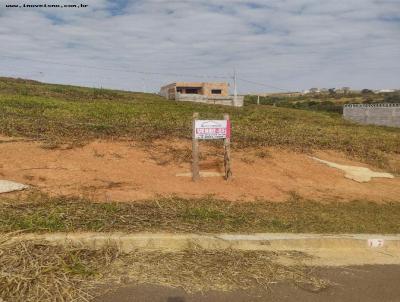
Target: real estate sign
point(212, 129)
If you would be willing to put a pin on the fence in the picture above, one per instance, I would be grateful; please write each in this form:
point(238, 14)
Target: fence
point(376, 114)
point(216, 100)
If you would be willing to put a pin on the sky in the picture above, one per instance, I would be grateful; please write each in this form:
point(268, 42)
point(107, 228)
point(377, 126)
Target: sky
point(140, 45)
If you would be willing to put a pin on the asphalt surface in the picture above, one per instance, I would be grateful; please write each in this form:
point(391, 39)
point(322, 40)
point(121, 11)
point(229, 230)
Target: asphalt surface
point(370, 283)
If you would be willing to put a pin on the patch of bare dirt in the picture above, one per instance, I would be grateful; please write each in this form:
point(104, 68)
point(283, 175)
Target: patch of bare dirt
point(124, 171)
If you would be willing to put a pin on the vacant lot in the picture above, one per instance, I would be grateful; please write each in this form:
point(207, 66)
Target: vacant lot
point(125, 171)
point(83, 149)
point(59, 114)
point(94, 144)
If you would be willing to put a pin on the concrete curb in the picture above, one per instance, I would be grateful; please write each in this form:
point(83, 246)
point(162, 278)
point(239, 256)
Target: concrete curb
point(332, 250)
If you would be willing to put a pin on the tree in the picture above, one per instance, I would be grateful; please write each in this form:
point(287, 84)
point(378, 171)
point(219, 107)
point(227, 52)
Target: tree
point(366, 91)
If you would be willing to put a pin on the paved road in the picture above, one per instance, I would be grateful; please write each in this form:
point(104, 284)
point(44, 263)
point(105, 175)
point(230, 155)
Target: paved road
point(351, 284)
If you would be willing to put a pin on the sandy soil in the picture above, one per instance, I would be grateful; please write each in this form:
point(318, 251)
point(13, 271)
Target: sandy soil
point(124, 171)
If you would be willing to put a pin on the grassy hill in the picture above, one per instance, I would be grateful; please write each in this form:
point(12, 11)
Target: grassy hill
point(329, 102)
point(59, 114)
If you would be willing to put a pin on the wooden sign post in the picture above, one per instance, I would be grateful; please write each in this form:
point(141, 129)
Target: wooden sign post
point(195, 150)
point(211, 129)
point(227, 149)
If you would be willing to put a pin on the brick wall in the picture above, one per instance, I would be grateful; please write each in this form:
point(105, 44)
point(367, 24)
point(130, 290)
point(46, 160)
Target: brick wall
point(375, 114)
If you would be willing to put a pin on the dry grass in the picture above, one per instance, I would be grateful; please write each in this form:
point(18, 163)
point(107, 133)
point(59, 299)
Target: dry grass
point(38, 271)
point(199, 270)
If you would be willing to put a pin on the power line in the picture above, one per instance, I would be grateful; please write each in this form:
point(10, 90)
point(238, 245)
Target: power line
point(262, 84)
point(116, 69)
point(143, 72)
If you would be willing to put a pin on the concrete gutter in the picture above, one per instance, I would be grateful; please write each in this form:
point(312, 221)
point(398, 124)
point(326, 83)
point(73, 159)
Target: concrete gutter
point(331, 250)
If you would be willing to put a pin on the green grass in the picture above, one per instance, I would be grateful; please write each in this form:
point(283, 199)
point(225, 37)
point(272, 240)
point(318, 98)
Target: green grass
point(60, 114)
point(324, 101)
point(40, 213)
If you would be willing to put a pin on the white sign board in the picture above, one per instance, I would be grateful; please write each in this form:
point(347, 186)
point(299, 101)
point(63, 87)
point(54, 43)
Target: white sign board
point(212, 129)
point(376, 242)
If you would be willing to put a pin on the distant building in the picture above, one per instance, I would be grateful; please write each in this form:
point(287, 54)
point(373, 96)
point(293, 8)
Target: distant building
point(202, 92)
point(314, 90)
point(170, 91)
point(385, 91)
point(343, 90)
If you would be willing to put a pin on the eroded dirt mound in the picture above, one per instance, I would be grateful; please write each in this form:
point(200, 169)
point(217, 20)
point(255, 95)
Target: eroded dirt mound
point(124, 171)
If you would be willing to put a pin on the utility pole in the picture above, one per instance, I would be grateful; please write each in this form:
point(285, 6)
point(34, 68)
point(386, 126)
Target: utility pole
point(234, 87)
point(144, 85)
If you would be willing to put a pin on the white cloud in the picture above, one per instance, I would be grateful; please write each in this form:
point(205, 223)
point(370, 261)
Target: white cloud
point(291, 44)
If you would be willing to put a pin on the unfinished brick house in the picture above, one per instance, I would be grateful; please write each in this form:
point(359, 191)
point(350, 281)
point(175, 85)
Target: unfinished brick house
point(203, 92)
